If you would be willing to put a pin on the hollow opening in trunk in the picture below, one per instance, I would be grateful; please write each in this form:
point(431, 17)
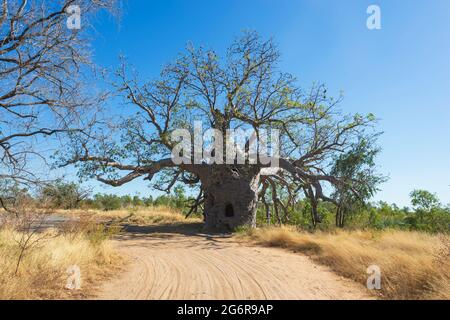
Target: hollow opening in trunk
point(229, 210)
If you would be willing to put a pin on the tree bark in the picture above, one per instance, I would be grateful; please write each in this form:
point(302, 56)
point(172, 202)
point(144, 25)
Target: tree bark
point(231, 196)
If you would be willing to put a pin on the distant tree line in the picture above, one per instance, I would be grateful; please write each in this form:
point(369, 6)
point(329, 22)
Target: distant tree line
point(426, 214)
point(70, 195)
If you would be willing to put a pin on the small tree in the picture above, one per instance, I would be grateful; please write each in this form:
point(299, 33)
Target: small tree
point(29, 226)
point(137, 202)
point(423, 200)
point(64, 195)
point(428, 215)
point(13, 196)
point(356, 168)
point(108, 202)
point(180, 196)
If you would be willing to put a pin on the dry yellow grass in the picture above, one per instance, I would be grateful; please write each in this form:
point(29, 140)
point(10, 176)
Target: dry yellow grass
point(141, 215)
point(42, 272)
point(413, 265)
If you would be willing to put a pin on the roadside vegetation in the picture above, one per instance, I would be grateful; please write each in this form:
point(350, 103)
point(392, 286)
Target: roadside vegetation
point(414, 265)
point(34, 262)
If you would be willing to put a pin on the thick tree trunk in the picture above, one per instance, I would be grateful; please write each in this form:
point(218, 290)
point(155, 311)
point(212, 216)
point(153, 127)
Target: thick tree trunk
point(231, 197)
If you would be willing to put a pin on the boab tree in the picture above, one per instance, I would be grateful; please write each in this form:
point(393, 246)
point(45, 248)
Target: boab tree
point(245, 90)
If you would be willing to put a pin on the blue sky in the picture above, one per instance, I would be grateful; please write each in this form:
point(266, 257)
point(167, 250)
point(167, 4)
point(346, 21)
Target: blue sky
point(400, 73)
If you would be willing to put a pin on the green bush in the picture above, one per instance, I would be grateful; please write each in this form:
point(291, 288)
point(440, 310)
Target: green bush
point(107, 202)
point(63, 195)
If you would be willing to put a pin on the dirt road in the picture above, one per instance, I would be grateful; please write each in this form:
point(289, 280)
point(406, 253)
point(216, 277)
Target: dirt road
point(179, 262)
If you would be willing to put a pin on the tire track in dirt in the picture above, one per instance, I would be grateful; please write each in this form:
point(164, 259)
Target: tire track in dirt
point(179, 262)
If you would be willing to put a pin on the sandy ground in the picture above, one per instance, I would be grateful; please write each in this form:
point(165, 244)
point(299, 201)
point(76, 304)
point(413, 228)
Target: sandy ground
point(179, 262)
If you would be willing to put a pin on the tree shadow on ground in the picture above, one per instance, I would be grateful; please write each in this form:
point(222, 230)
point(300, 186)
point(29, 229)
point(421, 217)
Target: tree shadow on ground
point(193, 233)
